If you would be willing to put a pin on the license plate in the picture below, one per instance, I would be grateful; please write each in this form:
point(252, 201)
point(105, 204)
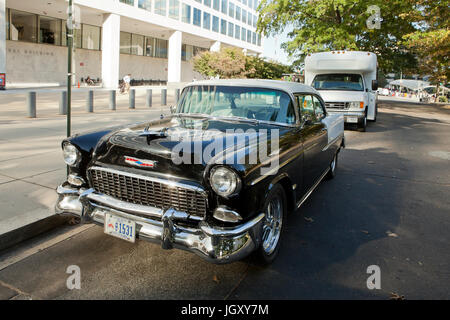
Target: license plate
point(352, 119)
point(120, 227)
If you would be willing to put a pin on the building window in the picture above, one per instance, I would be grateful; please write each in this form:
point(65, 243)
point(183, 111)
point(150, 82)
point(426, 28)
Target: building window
point(125, 42)
point(255, 20)
point(150, 46)
point(238, 13)
point(253, 37)
point(137, 44)
point(223, 26)
point(186, 13)
point(249, 18)
point(244, 2)
point(130, 2)
point(231, 10)
point(207, 3)
point(237, 32)
point(230, 29)
point(7, 24)
point(197, 17)
point(250, 4)
point(244, 16)
point(255, 4)
point(91, 37)
point(23, 26)
point(199, 1)
point(49, 30)
point(161, 48)
point(76, 35)
point(249, 36)
point(174, 9)
point(215, 25)
point(145, 4)
point(224, 6)
point(259, 40)
point(243, 34)
point(187, 51)
point(216, 5)
point(160, 7)
point(206, 20)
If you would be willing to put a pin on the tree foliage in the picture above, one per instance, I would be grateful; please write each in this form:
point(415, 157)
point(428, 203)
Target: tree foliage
point(324, 25)
point(431, 42)
point(232, 63)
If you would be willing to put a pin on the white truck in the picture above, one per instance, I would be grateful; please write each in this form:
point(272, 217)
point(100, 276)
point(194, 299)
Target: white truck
point(347, 81)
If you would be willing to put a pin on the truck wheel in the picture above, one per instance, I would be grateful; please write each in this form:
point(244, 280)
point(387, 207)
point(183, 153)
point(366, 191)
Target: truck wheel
point(362, 126)
point(275, 208)
point(333, 166)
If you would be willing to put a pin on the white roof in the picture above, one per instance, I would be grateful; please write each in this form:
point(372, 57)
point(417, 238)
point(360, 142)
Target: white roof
point(341, 61)
point(410, 84)
point(287, 86)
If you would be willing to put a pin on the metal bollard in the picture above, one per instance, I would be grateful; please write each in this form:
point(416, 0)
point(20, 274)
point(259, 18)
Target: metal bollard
point(148, 101)
point(164, 97)
point(31, 104)
point(132, 95)
point(177, 95)
point(112, 100)
point(90, 101)
point(63, 103)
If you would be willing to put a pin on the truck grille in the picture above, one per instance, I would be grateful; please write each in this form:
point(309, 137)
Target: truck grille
point(336, 105)
point(148, 191)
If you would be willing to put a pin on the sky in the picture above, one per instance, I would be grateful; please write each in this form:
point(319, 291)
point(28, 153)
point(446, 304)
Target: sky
point(272, 48)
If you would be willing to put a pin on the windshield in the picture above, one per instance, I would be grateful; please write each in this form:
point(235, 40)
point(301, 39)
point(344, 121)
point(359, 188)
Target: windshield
point(347, 82)
point(238, 102)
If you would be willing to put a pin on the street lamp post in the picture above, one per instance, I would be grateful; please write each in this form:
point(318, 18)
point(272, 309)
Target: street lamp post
point(69, 64)
point(69, 29)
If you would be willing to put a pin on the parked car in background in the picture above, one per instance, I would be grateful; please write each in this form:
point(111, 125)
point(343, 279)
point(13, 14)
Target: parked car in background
point(347, 81)
point(169, 181)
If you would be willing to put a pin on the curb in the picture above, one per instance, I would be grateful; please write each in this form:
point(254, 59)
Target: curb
point(21, 234)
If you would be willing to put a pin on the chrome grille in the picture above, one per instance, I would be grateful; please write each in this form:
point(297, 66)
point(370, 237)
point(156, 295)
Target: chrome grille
point(336, 105)
point(148, 191)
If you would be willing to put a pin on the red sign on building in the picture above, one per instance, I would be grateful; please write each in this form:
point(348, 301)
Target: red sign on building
point(2, 81)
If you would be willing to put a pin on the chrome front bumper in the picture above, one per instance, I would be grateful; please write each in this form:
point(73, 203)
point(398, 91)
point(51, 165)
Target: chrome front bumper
point(212, 243)
point(349, 114)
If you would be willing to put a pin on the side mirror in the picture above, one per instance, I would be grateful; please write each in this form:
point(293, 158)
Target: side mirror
point(374, 85)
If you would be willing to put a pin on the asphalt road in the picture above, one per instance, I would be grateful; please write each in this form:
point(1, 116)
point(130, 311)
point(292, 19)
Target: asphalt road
point(388, 206)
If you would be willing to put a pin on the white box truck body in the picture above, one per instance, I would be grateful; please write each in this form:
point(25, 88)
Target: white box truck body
point(347, 81)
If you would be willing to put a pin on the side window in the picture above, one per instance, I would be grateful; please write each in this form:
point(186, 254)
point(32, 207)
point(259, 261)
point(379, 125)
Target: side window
point(305, 103)
point(319, 111)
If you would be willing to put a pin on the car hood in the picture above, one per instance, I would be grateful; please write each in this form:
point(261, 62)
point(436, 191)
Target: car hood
point(342, 96)
point(180, 146)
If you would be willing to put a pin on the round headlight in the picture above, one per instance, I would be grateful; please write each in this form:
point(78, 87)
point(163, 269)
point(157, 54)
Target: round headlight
point(224, 181)
point(71, 154)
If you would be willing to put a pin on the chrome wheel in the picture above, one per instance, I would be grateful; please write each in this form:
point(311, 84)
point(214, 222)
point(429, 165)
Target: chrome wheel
point(272, 225)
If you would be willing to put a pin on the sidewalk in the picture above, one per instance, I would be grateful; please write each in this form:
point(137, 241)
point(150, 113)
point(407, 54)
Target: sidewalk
point(31, 163)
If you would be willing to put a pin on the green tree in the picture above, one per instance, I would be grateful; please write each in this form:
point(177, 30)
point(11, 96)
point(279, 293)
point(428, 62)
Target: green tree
point(324, 25)
point(232, 63)
point(431, 41)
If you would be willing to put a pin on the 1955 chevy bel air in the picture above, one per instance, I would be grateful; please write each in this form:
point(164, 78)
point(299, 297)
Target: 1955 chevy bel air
point(217, 177)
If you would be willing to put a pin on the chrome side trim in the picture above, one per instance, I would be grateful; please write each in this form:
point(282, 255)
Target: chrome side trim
point(306, 196)
point(173, 184)
point(332, 142)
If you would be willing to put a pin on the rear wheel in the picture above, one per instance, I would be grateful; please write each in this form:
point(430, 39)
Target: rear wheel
point(275, 209)
point(333, 166)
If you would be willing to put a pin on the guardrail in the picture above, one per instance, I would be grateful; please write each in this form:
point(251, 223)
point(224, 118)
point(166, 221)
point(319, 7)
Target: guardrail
point(90, 99)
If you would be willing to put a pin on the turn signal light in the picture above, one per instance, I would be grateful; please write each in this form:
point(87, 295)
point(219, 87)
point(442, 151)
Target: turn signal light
point(361, 104)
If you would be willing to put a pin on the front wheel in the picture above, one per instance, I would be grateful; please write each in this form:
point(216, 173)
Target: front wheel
point(362, 126)
point(333, 166)
point(275, 210)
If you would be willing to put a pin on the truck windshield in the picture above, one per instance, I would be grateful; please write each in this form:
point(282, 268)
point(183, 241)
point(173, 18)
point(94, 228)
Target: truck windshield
point(238, 102)
point(345, 82)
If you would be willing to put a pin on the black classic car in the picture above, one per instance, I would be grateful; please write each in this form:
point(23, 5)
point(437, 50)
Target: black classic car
point(217, 177)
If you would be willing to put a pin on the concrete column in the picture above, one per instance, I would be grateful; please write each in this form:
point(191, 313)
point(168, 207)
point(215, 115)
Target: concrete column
point(110, 50)
point(174, 58)
point(3, 36)
point(215, 47)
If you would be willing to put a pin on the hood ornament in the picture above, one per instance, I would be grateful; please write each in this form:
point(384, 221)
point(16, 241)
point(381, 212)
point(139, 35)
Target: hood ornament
point(153, 134)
